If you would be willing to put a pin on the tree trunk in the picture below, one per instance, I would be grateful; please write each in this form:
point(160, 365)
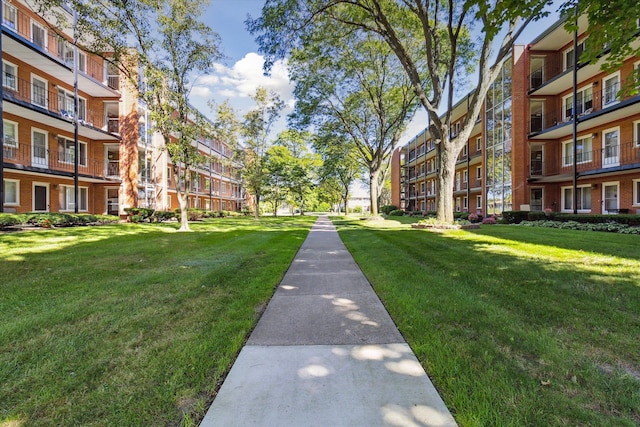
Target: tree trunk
point(373, 191)
point(184, 215)
point(256, 212)
point(346, 202)
point(446, 161)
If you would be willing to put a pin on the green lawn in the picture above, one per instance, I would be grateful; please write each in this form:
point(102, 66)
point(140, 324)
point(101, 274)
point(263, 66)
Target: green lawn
point(131, 325)
point(516, 326)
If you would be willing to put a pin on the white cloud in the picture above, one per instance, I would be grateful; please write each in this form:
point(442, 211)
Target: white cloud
point(243, 78)
point(201, 91)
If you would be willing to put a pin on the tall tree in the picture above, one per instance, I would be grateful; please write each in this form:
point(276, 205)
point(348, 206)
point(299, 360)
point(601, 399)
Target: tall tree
point(353, 84)
point(446, 51)
point(161, 46)
point(340, 166)
point(303, 168)
point(278, 163)
point(256, 130)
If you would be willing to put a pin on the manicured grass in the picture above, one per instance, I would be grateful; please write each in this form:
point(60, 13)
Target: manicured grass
point(516, 326)
point(131, 325)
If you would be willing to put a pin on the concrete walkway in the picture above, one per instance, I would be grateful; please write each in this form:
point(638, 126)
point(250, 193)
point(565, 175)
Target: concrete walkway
point(326, 353)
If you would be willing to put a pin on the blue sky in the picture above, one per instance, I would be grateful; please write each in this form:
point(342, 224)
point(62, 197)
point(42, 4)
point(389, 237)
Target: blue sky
point(238, 76)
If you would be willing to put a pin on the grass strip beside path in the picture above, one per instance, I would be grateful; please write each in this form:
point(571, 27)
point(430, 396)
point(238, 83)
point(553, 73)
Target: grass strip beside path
point(516, 326)
point(131, 324)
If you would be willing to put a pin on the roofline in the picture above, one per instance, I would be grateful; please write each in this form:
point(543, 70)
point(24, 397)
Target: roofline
point(549, 30)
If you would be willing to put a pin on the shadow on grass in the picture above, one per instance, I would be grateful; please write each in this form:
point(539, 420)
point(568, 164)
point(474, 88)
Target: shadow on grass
point(515, 327)
point(131, 324)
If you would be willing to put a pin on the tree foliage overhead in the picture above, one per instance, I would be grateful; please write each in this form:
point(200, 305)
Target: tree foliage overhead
point(424, 35)
point(351, 84)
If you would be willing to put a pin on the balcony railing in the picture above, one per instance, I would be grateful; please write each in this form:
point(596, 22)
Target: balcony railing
point(49, 42)
point(608, 157)
point(17, 89)
point(598, 100)
point(53, 160)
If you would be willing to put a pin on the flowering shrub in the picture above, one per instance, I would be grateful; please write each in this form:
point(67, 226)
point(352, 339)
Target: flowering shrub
point(489, 220)
point(473, 218)
point(610, 227)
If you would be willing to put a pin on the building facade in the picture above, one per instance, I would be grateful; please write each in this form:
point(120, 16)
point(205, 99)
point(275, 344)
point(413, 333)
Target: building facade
point(521, 155)
point(118, 163)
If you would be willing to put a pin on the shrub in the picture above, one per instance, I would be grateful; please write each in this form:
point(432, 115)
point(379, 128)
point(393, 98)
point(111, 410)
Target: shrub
point(474, 218)
point(161, 216)
point(7, 220)
point(143, 213)
point(357, 209)
point(396, 212)
point(489, 220)
point(388, 208)
point(537, 216)
point(514, 217)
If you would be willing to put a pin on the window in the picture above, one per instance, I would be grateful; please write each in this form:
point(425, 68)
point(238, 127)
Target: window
point(422, 188)
point(457, 204)
point(9, 14)
point(636, 192)
point(169, 177)
point(479, 143)
point(9, 75)
point(584, 103)
point(39, 92)
point(465, 151)
point(66, 151)
point(583, 151)
point(67, 198)
point(636, 133)
point(11, 192)
point(611, 147)
point(478, 202)
point(10, 134)
point(479, 173)
point(66, 107)
point(38, 35)
point(465, 176)
point(584, 198)
point(465, 203)
point(569, 56)
point(611, 86)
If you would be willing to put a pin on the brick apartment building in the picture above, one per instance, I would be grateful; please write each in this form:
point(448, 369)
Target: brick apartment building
point(120, 164)
point(520, 155)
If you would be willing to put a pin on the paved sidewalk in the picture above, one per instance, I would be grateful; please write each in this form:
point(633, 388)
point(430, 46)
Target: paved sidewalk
point(326, 353)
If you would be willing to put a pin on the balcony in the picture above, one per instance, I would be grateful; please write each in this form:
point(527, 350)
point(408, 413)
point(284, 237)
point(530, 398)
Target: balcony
point(548, 124)
point(32, 101)
point(59, 162)
point(613, 158)
point(23, 31)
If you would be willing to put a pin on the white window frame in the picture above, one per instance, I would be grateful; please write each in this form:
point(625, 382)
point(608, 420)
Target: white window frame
point(83, 193)
point(422, 188)
point(465, 176)
point(478, 202)
point(570, 209)
point(607, 184)
point(581, 94)
point(46, 91)
point(44, 30)
point(33, 193)
point(636, 192)
point(478, 173)
point(46, 147)
point(582, 158)
point(564, 55)
point(4, 75)
point(70, 151)
point(16, 193)
point(8, 142)
point(615, 100)
point(13, 11)
point(465, 150)
point(479, 143)
point(636, 133)
point(465, 203)
point(616, 158)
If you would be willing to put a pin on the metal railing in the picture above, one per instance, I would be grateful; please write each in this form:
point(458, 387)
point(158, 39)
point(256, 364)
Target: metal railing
point(603, 158)
point(54, 160)
point(17, 89)
point(48, 41)
point(588, 104)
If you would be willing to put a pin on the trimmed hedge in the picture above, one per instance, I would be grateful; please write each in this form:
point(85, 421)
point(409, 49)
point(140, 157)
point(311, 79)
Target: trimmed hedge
point(609, 227)
point(516, 217)
point(386, 209)
point(54, 219)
